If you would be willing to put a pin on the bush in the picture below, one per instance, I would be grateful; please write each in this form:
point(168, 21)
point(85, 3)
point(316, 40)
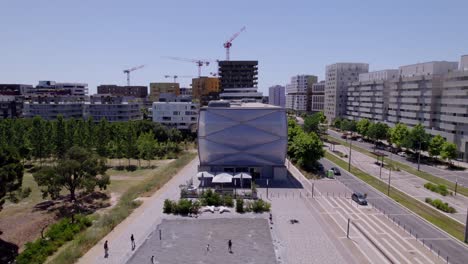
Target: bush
point(228, 201)
point(57, 235)
point(167, 209)
point(240, 205)
point(184, 206)
point(195, 207)
point(428, 200)
point(441, 189)
point(260, 206)
point(439, 204)
point(131, 168)
point(211, 198)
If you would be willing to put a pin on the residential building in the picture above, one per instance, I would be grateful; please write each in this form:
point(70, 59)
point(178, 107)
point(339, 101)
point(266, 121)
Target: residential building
point(10, 106)
point(205, 89)
point(113, 108)
point(15, 89)
point(123, 91)
point(299, 92)
point(368, 97)
point(163, 90)
point(276, 96)
point(49, 107)
point(185, 91)
point(317, 97)
point(180, 115)
point(245, 137)
point(238, 80)
point(337, 78)
point(57, 88)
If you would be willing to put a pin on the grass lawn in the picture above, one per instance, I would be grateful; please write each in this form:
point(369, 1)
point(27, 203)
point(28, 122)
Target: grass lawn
point(408, 168)
point(440, 220)
point(104, 223)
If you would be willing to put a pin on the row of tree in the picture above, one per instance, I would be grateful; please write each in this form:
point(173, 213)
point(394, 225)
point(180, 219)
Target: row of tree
point(304, 148)
point(39, 139)
point(401, 136)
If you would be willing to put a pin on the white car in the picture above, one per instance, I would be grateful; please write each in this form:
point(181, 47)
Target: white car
point(402, 154)
point(360, 140)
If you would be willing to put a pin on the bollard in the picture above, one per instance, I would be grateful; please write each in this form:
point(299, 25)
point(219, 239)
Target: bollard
point(447, 259)
point(430, 245)
point(410, 232)
point(416, 236)
point(423, 242)
point(438, 253)
point(159, 234)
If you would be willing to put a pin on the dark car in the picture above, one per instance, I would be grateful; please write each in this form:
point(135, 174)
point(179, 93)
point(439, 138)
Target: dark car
point(359, 198)
point(335, 170)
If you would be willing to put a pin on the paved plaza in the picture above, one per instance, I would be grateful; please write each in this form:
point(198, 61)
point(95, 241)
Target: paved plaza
point(186, 240)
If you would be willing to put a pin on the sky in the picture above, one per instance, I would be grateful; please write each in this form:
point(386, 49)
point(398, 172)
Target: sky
point(94, 41)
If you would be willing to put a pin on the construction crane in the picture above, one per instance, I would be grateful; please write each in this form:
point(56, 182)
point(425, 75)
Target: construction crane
point(199, 63)
point(177, 76)
point(228, 43)
point(130, 70)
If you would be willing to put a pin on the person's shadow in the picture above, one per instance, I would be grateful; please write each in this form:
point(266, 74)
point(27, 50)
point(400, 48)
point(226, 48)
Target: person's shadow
point(8, 251)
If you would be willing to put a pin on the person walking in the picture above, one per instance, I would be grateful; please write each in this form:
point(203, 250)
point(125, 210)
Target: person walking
point(106, 249)
point(132, 240)
point(152, 259)
point(230, 246)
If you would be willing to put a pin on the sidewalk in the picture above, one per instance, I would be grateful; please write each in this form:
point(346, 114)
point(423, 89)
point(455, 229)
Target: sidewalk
point(140, 223)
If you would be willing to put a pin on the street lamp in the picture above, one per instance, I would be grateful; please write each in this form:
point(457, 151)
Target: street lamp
point(389, 174)
point(349, 162)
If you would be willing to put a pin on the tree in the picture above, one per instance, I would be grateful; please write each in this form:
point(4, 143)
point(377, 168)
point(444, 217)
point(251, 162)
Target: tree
point(78, 170)
point(293, 131)
point(348, 125)
point(337, 122)
point(11, 173)
point(307, 149)
point(102, 138)
point(449, 151)
point(37, 137)
point(417, 140)
point(131, 149)
point(312, 123)
point(435, 145)
point(147, 146)
point(378, 131)
point(362, 126)
point(398, 134)
point(59, 137)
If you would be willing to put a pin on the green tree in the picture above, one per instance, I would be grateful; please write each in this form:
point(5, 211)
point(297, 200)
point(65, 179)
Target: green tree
point(79, 170)
point(307, 149)
point(435, 145)
point(417, 140)
point(147, 146)
point(102, 138)
point(11, 173)
point(398, 134)
point(362, 126)
point(60, 146)
point(131, 149)
point(312, 123)
point(337, 122)
point(37, 137)
point(91, 137)
point(80, 134)
point(293, 131)
point(449, 151)
point(378, 131)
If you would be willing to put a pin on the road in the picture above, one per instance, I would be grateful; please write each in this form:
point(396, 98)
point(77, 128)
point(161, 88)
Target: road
point(439, 240)
point(453, 176)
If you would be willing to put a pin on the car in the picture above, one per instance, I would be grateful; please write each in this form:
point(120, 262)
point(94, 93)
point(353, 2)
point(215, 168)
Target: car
point(344, 136)
point(319, 167)
point(359, 198)
point(335, 170)
point(402, 154)
point(360, 140)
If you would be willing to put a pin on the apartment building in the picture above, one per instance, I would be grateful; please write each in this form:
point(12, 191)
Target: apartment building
point(113, 108)
point(10, 106)
point(337, 78)
point(180, 115)
point(15, 89)
point(238, 80)
point(160, 90)
point(185, 91)
point(205, 89)
point(317, 97)
point(276, 95)
point(298, 92)
point(49, 107)
point(368, 97)
point(116, 90)
point(57, 88)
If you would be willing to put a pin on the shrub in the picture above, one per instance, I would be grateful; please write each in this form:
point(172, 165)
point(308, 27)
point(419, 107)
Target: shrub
point(428, 200)
point(211, 198)
point(240, 205)
point(195, 207)
point(184, 206)
point(131, 168)
point(260, 206)
point(439, 204)
point(167, 209)
point(441, 189)
point(228, 201)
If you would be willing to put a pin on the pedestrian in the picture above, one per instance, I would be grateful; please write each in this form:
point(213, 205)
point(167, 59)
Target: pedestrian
point(132, 239)
point(207, 247)
point(271, 218)
point(152, 259)
point(230, 246)
point(106, 249)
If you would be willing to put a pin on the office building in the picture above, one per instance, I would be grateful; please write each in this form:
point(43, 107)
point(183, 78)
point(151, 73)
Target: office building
point(56, 88)
point(245, 137)
point(49, 107)
point(368, 97)
point(317, 97)
point(205, 89)
point(113, 108)
point(180, 115)
point(15, 89)
point(10, 106)
point(299, 91)
point(184, 91)
point(276, 96)
point(123, 91)
point(337, 78)
point(238, 80)
point(163, 90)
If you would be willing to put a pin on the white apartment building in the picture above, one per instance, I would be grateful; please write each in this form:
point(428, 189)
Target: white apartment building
point(337, 78)
point(276, 95)
point(113, 108)
point(367, 98)
point(180, 115)
point(298, 92)
point(50, 107)
point(317, 97)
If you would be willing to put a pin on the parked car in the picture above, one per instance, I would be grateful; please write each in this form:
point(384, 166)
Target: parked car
point(360, 140)
point(359, 198)
point(402, 154)
point(335, 170)
point(320, 167)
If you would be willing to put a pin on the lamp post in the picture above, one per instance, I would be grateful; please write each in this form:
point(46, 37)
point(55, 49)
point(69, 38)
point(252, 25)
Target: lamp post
point(349, 161)
point(389, 175)
point(419, 154)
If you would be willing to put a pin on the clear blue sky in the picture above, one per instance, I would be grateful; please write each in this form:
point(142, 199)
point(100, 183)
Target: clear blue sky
point(93, 41)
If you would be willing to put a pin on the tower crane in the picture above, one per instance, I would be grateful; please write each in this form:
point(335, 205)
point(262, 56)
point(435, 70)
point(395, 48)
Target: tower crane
point(228, 43)
point(199, 63)
point(177, 76)
point(128, 71)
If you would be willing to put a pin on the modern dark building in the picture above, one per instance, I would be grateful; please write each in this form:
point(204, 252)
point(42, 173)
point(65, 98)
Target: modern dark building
point(15, 89)
point(238, 80)
point(136, 91)
point(10, 106)
point(54, 88)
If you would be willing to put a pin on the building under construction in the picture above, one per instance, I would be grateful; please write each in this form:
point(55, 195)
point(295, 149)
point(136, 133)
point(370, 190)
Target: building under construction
point(205, 89)
point(136, 91)
point(238, 80)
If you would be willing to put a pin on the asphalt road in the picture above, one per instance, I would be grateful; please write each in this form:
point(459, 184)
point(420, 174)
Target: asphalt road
point(453, 176)
point(448, 246)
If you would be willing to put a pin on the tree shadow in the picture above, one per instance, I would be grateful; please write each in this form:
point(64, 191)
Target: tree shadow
point(84, 204)
point(8, 251)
